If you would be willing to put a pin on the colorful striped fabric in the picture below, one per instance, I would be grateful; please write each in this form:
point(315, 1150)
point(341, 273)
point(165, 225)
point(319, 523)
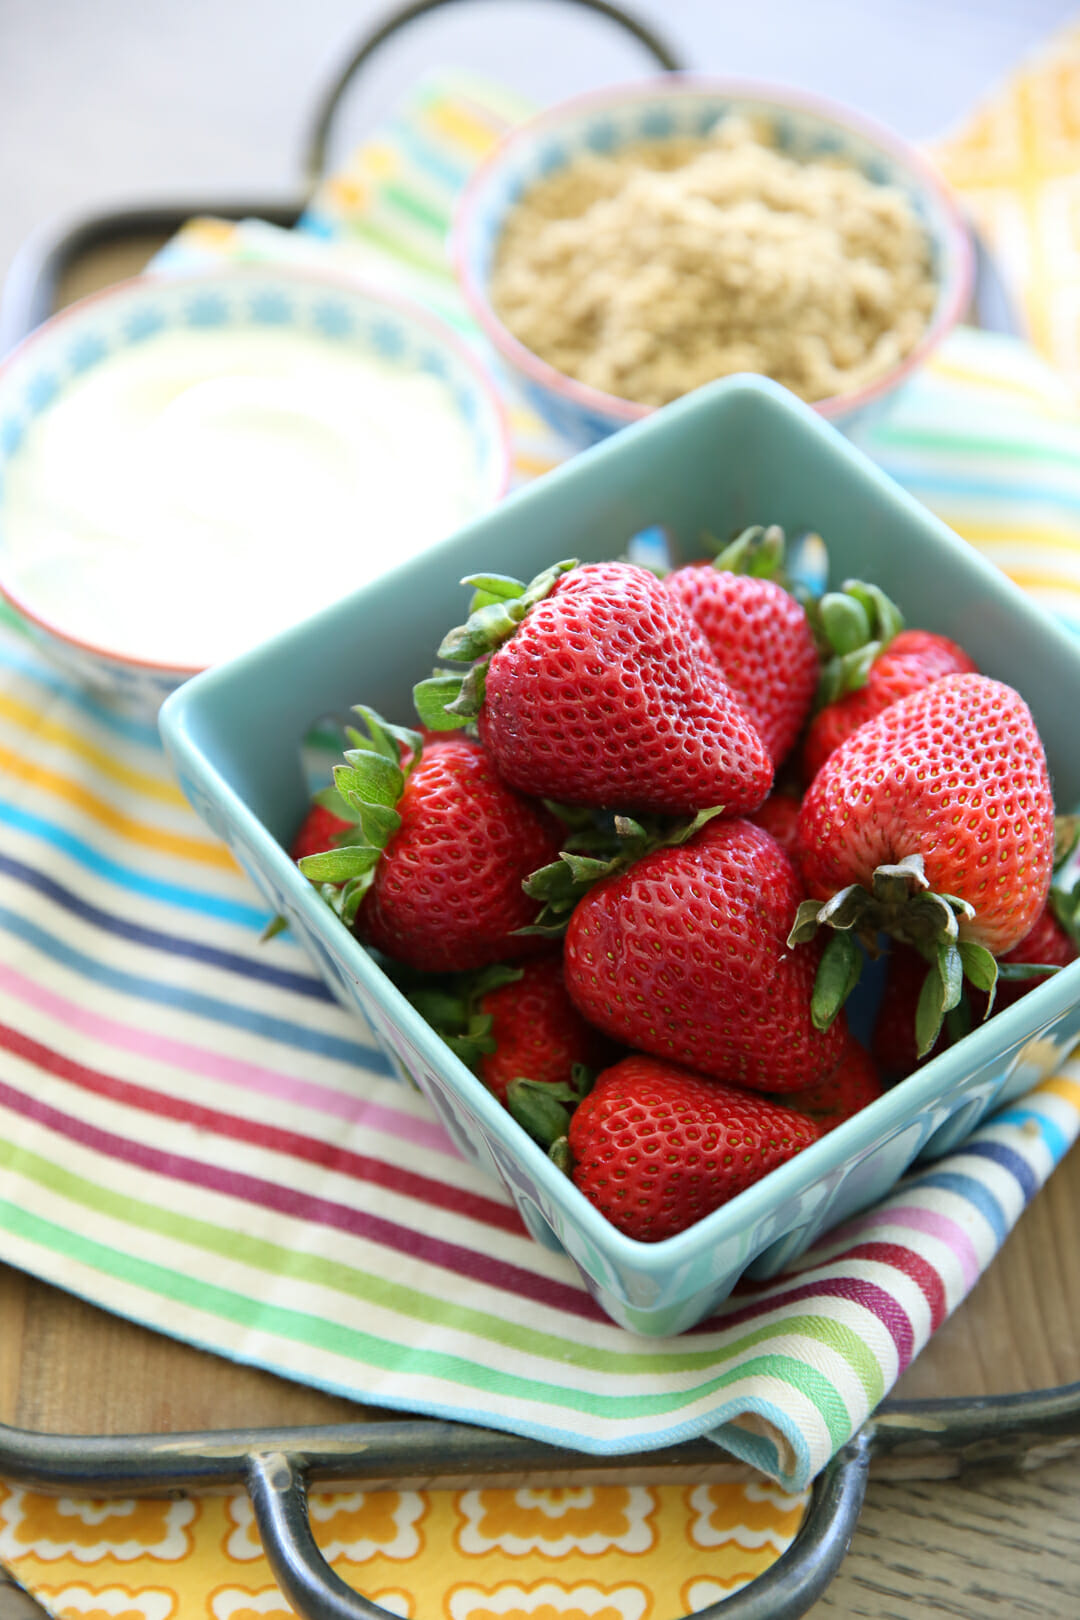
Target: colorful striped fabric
point(193, 1134)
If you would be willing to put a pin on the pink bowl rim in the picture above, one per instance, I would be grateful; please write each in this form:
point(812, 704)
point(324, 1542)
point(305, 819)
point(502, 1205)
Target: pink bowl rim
point(438, 328)
point(959, 270)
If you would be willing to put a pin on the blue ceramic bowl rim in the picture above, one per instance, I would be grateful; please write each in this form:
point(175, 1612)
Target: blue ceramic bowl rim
point(134, 288)
point(904, 1101)
point(958, 254)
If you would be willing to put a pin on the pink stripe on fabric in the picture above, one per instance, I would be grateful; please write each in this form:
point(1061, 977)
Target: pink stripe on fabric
point(219, 1066)
point(949, 1232)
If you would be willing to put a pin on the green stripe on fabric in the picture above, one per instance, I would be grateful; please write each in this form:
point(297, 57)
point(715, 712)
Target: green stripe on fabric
point(366, 231)
point(974, 445)
point(13, 620)
point(407, 202)
point(262, 1255)
point(303, 1328)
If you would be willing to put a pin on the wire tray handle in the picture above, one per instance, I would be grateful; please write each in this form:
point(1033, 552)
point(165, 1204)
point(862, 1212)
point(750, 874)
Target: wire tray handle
point(318, 141)
point(275, 1484)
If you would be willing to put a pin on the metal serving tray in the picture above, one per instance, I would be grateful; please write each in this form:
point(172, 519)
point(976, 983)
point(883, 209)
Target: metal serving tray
point(939, 1438)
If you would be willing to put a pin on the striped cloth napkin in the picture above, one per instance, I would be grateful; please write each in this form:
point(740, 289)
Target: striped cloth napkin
point(179, 1103)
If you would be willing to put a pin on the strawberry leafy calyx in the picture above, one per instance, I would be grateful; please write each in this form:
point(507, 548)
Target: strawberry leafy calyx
point(543, 1108)
point(366, 791)
point(596, 852)
point(854, 626)
point(902, 904)
point(1064, 898)
point(758, 552)
point(452, 1007)
point(448, 700)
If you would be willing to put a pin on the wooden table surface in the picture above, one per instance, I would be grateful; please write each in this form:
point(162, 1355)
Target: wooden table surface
point(998, 1545)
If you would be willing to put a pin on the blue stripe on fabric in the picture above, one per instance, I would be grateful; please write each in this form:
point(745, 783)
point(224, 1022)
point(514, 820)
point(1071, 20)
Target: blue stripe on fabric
point(210, 905)
point(983, 488)
point(975, 1193)
point(191, 1001)
point(451, 176)
point(1010, 1160)
point(121, 725)
point(1052, 1134)
point(266, 973)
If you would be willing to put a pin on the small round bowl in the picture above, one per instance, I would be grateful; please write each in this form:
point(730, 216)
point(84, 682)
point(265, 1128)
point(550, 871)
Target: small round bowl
point(802, 126)
point(84, 337)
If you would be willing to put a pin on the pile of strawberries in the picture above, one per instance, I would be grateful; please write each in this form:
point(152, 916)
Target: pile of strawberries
point(580, 870)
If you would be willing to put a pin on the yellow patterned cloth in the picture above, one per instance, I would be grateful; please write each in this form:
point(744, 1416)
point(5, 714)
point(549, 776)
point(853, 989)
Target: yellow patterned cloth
point(582, 1553)
point(611, 1553)
point(1016, 162)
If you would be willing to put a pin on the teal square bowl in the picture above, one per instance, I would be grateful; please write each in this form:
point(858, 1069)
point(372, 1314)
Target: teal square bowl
point(737, 452)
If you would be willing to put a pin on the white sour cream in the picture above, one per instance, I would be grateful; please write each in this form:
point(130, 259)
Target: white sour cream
point(194, 494)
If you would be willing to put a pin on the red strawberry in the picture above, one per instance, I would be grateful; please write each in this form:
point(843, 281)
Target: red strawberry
point(851, 1085)
point(894, 1045)
point(656, 1148)
point(934, 823)
point(1046, 943)
point(779, 815)
point(910, 662)
point(956, 774)
point(537, 1031)
point(684, 956)
point(437, 884)
point(762, 640)
point(594, 687)
point(318, 831)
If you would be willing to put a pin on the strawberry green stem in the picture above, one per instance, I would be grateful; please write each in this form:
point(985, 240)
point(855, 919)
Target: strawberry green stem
point(446, 701)
point(854, 626)
point(366, 791)
point(757, 551)
point(612, 846)
point(543, 1108)
point(900, 903)
point(451, 1006)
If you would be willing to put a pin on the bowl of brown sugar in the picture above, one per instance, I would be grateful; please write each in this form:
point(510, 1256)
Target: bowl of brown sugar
point(632, 245)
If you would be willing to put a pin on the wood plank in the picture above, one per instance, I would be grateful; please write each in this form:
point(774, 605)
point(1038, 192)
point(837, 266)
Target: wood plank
point(987, 1548)
point(77, 1369)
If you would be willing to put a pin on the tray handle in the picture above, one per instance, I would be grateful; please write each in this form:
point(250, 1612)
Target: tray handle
point(315, 155)
point(277, 1487)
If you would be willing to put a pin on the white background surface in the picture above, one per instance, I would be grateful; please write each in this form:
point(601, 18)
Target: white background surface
point(111, 102)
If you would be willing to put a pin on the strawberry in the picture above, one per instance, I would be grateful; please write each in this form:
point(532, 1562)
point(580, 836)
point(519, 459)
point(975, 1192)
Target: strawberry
point(875, 663)
point(436, 884)
point(779, 815)
point(933, 823)
point(319, 830)
point(594, 687)
point(912, 660)
point(656, 1148)
point(851, 1085)
point(538, 1033)
point(894, 1044)
point(1047, 944)
point(684, 956)
point(759, 634)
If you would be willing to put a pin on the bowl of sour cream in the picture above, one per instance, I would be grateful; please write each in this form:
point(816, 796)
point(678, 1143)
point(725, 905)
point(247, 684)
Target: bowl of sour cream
point(188, 466)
